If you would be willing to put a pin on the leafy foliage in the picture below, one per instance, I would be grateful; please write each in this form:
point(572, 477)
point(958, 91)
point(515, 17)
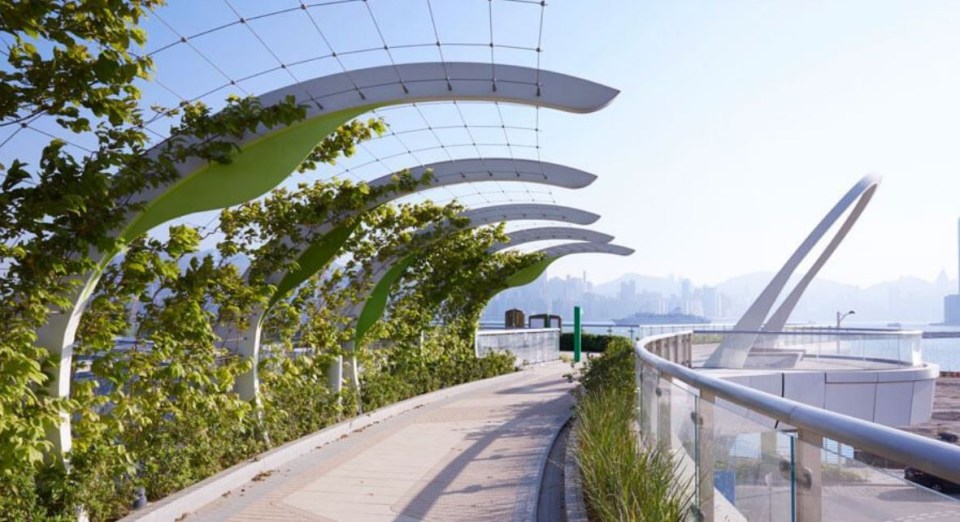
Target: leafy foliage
point(614, 370)
point(160, 411)
point(622, 480)
point(73, 56)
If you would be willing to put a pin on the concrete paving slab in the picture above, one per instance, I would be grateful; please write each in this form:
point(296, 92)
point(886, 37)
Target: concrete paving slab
point(474, 456)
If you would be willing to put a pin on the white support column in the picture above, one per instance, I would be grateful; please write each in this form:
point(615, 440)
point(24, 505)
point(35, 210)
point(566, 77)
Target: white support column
point(58, 336)
point(248, 346)
point(351, 373)
point(335, 375)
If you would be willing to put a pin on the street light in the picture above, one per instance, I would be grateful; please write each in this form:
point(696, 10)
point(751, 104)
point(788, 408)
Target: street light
point(841, 317)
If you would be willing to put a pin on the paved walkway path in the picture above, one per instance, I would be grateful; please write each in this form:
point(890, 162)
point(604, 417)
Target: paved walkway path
point(473, 456)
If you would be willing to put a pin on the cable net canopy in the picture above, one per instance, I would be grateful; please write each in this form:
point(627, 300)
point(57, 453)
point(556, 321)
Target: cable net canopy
point(206, 51)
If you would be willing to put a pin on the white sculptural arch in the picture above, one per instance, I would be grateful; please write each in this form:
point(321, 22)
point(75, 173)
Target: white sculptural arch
point(733, 351)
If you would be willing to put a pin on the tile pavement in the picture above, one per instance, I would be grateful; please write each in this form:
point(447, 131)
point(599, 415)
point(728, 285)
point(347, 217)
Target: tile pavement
point(474, 456)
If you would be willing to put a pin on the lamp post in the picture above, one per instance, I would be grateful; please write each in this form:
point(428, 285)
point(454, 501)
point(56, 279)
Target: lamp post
point(842, 316)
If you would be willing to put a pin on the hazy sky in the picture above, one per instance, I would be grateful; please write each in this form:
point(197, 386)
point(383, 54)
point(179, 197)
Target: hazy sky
point(738, 126)
point(741, 123)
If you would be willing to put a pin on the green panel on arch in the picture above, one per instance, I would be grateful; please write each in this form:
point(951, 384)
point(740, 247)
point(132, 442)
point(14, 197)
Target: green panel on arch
point(314, 258)
point(260, 166)
point(530, 273)
point(377, 303)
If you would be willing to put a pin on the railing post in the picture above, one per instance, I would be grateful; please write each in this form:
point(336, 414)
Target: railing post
point(705, 460)
point(809, 487)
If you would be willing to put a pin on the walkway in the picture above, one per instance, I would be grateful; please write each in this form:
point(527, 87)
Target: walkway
point(474, 456)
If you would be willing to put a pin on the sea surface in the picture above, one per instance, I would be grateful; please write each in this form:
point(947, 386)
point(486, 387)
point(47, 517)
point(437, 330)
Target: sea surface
point(943, 352)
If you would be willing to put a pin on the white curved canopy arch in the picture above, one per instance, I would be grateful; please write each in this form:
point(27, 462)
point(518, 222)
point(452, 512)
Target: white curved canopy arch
point(369, 306)
point(248, 344)
point(531, 235)
point(586, 248)
point(444, 174)
point(356, 92)
point(266, 156)
point(478, 217)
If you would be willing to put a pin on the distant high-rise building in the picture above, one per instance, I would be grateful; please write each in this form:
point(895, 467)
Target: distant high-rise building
point(951, 303)
point(652, 302)
point(951, 309)
point(711, 302)
point(628, 290)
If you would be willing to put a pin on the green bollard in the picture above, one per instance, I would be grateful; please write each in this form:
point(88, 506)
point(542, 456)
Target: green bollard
point(576, 334)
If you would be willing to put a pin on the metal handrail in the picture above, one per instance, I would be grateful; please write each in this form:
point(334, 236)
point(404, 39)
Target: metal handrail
point(825, 330)
point(932, 456)
point(516, 331)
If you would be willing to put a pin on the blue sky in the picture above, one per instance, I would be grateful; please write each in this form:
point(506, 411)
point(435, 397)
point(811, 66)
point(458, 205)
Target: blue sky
point(738, 126)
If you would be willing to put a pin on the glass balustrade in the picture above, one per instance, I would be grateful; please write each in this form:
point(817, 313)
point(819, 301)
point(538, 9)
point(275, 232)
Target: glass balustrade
point(529, 346)
point(740, 464)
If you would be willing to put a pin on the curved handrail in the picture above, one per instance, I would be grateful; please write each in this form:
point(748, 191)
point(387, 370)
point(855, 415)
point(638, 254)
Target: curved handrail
point(839, 332)
point(932, 456)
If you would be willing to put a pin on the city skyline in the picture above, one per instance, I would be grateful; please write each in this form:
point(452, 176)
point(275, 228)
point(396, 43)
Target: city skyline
point(906, 300)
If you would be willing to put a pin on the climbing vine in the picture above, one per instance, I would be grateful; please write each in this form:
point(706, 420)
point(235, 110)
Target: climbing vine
point(153, 401)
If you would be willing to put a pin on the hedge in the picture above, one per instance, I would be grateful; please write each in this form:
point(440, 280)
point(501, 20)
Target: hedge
point(592, 343)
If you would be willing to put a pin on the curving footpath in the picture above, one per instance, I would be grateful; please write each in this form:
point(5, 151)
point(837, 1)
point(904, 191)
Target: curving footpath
point(476, 455)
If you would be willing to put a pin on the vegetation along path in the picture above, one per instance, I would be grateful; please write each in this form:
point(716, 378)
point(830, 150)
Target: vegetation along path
point(473, 456)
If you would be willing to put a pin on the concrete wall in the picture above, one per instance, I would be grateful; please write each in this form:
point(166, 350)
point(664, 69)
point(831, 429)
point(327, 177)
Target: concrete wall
point(897, 397)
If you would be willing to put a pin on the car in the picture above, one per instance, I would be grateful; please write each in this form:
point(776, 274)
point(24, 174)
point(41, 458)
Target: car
point(930, 481)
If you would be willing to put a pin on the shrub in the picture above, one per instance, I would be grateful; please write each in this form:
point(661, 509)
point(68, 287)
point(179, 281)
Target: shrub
point(590, 343)
point(621, 479)
point(444, 360)
point(613, 370)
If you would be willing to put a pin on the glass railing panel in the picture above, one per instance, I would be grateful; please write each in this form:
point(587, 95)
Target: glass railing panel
point(527, 346)
point(853, 490)
point(682, 444)
point(750, 466)
point(663, 432)
point(746, 469)
point(823, 349)
point(683, 418)
point(649, 404)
